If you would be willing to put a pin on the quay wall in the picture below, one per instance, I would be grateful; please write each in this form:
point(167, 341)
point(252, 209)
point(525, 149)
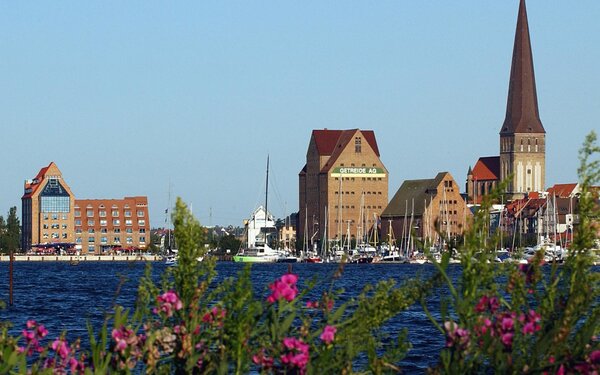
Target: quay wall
point(82, 258)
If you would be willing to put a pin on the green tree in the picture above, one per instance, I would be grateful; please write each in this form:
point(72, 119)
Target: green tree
point(229, 242)
point(2, 234)
point(13, 231)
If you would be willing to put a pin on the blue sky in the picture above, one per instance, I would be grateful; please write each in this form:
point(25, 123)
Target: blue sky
point(146, 97)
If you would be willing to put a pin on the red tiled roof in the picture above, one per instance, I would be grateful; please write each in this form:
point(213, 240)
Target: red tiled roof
point(562, 190)
point(35, 183)
point(487, 168)
point(328, 140)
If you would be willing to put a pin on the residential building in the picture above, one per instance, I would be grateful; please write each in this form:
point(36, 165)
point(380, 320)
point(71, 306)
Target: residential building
point(54, 220)
point(343, 183)
point(47, 211)
point(432, 210)
point(111, 225)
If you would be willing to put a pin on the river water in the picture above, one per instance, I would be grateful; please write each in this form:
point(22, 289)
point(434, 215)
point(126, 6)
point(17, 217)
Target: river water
point(64, 297)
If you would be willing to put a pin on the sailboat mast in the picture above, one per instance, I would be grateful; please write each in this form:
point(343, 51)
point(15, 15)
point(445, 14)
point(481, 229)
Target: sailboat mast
point(267, 194)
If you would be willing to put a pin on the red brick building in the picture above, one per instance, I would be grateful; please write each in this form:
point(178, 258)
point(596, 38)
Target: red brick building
point(111, 225)
point(344, 184)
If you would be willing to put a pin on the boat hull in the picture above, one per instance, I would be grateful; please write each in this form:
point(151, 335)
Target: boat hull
point(254, 259)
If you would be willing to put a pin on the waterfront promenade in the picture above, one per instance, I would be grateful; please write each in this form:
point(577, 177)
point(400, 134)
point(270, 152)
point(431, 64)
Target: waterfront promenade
point(82, 258)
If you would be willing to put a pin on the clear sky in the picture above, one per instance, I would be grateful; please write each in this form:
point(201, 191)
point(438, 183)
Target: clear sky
point(146, 97)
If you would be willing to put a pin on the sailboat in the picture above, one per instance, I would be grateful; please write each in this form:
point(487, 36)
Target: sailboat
point(259, 231)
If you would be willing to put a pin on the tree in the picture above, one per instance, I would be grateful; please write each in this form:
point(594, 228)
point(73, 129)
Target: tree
point(2, 234)
point(13, 231)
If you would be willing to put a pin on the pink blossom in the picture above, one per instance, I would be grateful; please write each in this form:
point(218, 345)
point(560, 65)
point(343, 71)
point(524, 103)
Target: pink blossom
point(456, 336)
point(529, 328)
point(507, 324)
point(595, 357)
point(31, 324)
point(312, 304)
point(328, 334)
point(61, 348)
point(507, 339)
point(168, 302)
point(297, 354)
point(284, 287)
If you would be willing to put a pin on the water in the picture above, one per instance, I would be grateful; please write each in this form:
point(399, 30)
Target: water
point(64, 297)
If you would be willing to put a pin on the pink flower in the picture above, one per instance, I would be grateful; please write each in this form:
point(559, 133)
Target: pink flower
point(61, 348)
point(168, 302)
point(595, 357)
point(529, 328)
point(284, 287)
point(312, 304)
point(456, 336)
point(297, 354)
point(507, 340)
point(507, 324)
point(31, 324)
point(328, 334)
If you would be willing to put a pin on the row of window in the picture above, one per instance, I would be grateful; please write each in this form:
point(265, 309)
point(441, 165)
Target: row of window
point(114, 213)
point(54, 235)
point(54, 226)
point(352, 165)
point(369, 207)
point(105, 230)
point(115, 240)
point(363, 178)
point(352, 192)
point(115, 222)
point(54, 216)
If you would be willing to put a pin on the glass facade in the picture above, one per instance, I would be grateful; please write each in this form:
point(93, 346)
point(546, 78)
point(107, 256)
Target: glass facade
point(54, 197)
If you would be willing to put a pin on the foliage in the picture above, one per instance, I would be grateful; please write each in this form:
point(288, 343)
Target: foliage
point(10, 232)
point(496, 318)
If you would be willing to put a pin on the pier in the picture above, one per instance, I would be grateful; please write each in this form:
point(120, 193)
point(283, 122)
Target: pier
point(82, 258)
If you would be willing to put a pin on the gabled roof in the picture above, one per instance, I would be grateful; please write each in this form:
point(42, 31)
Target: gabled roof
point(33, 185)
point(522, 114)
point(487, 168)
point(563, 190)
point(328, 141)
point(417, 191)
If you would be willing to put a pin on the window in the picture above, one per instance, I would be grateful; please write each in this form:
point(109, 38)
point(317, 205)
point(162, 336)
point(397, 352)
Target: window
point(129, 230)
point(45, 216)
point(55, 235)
point(54, 226)
point(115, 213)
point(90, 213)
point(116, 222)
point(78, 240)
point(78, 230)
point(91, 249)
point(64, 216)
point(91, 230)
point(103, 230)
point(54, 216)
point(140, 213)
point(78, 222)
point(90, 222)
point(117, 239)
point(142, 230)
point(45, 226)
point(141, 223)
point(91, 239)
point(129, 240)
point(64, 235)
point(128, 222)
point(127, 213)
point(55, 204)
point(142, 239)
point(103, 239)
point(117, 230)
point(77, 213)
point(357, 145)
point(102, 213)
point(103, 222)
point(64, 226)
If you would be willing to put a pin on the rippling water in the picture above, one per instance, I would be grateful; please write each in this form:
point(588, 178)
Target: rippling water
point(64, 297)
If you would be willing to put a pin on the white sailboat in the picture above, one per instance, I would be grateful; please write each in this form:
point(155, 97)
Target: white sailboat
point(259, 231)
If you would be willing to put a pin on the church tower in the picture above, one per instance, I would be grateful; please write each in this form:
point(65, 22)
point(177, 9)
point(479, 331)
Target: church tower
point(522, 137)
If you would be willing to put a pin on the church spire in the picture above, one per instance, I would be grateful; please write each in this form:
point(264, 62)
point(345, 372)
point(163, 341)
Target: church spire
point(522, 115)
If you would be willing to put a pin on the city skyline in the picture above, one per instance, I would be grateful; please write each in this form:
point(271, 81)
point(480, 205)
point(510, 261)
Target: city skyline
point(138, 99)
